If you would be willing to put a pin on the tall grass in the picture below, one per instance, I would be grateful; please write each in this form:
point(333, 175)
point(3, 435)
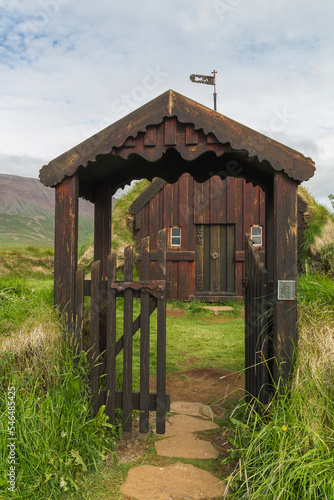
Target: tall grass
point(57, 439)
point(286, 449)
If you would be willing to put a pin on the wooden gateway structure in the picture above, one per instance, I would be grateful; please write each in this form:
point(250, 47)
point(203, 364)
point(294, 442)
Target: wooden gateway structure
point(166, 138)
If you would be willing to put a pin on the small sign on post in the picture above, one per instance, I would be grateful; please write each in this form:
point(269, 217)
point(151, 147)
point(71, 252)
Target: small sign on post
point(286, 290)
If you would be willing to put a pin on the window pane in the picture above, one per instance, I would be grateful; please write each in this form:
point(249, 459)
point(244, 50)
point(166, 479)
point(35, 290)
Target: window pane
point(176, 231)
point(176, 241)
point(256, 231)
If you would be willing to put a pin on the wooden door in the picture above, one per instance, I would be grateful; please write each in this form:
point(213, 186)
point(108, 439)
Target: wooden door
point(215, 262)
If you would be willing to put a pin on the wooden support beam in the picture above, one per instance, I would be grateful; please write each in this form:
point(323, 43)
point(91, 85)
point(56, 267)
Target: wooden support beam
point(284, 215)
point(66, 245)
point(102, 225)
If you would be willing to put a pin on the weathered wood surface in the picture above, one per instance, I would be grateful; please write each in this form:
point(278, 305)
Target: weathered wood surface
point(161, 338)
point(66, 246)
point(127, 351)
point(111, 339)
point(94, 351)
point(190, 205)
point(285, 268)
point(257, 326)
point(103, 364)
point(145, 339)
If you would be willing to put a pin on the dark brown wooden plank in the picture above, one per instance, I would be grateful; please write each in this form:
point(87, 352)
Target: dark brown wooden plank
point(285, 268)
point(230, 255)
point(161, 338)
point(175, 208)
point(66, 245)
point(102, 225)
point(127, 353)
point(135, 325)
point(215, 258)
point(111, 339)
point(184, 208)
point(223, 257)
point(145, 340)
point(79, 307)
point(150, 138)
point(94, 351)
point(170, 131)
point(206, 258)
point(191, 134)
point(231, 205)
point(135, 400)
point(102, 243)
point(199, 239)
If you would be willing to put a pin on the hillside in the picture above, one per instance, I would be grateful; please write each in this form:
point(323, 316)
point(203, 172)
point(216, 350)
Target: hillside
point(27, 213)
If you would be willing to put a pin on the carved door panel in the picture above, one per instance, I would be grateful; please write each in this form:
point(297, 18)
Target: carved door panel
point(215, 251)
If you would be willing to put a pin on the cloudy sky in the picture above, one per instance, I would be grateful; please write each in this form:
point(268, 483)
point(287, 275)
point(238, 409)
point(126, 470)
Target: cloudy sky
point(68, 68)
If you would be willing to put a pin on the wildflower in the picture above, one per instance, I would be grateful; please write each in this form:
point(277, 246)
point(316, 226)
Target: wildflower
point(62, 483)
point(245, 426)
point(63, 434)
point(284, 428)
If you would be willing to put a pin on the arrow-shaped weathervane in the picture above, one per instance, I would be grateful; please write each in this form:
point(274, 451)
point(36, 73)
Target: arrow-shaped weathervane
point(208, 80)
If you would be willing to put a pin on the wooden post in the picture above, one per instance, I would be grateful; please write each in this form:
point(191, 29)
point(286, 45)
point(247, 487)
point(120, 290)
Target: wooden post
point(66, 245)
point(102, 242)
point(285, 268)
point(102, 225)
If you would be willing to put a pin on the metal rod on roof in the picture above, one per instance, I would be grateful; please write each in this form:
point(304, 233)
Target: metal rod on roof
point(208, 80)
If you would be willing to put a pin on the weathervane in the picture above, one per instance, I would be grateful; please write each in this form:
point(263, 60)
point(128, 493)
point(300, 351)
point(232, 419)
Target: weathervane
point(208, 80)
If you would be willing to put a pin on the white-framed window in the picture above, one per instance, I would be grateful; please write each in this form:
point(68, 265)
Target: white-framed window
point(175, 236)
point(256, 235)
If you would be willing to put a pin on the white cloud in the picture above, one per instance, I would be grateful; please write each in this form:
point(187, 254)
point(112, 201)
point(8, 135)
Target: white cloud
point(68, 69)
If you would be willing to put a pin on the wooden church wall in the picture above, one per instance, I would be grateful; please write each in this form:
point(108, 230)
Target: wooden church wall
point(187, 204)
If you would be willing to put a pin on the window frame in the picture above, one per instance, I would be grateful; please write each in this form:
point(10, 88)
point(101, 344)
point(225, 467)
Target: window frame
point(173, 236)
point(257, 235)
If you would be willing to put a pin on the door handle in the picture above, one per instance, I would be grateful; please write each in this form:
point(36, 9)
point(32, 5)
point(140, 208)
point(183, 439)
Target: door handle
point(214, 255)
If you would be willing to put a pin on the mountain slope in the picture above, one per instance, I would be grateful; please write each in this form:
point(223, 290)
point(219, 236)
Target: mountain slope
point(27, 213)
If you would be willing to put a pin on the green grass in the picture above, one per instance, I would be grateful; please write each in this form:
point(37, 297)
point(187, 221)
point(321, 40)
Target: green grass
point(286, 449)
point(194, 340)
point(57, 439)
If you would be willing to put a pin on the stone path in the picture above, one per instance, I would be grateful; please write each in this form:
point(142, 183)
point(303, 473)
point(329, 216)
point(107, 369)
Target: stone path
point(178, 481)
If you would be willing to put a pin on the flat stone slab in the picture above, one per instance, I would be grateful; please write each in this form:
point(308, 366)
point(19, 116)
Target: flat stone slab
point(186, 446)
point(177, 425)
point(194, 409)
point(177, 481)
point(219, 308)
point(179, 440)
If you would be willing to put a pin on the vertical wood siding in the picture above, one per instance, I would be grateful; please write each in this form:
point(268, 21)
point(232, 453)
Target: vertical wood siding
point(187, 204)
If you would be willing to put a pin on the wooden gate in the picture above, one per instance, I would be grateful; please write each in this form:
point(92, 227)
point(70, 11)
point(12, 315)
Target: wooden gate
point(258, 341)
point(104, 295)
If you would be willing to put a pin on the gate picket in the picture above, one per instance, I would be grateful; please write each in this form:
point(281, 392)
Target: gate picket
point(256, 325)
point(161, 336)
point(144, 339)
point(111, 339)
point(127, 351)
